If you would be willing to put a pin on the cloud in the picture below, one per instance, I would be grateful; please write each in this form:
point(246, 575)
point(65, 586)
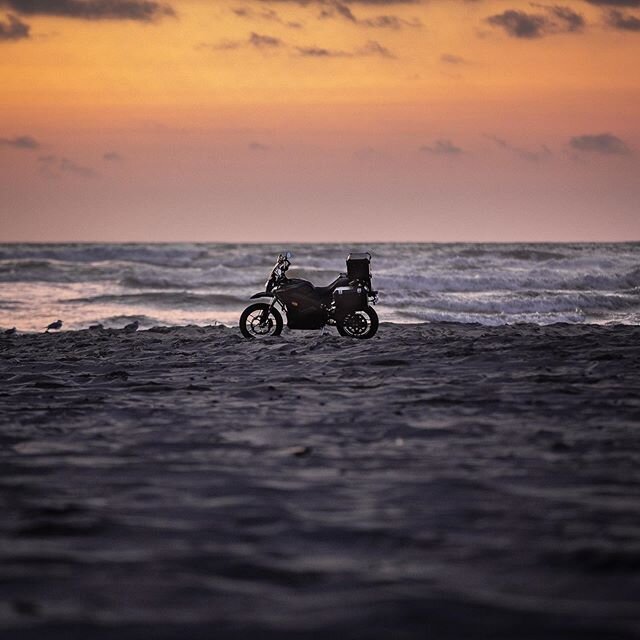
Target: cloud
point(624, 22)
point(615, 3)
point(570, 20)
point(51, 166)
point(602, 143)
point(271, 43)
point(264, 42)
point(371, 48)
point(112, 156)
point(339, 8)
point(13, 29)
point(519, 24)
point(20, 142)
point(265, 14)
point(140, 10)
point(371, 3)
point(255, 40)
point(442, 147)
point(221, 45)
point(521, 152)
point(259, 146)
point(69, 166)
point(449, 58)
point(390, 22)
point(320, 52)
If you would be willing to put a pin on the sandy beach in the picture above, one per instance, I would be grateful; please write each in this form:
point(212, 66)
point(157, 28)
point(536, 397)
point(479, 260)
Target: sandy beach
point(440, 480)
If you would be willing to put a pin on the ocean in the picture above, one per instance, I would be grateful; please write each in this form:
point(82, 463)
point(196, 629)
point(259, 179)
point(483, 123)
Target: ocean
point(210, 283)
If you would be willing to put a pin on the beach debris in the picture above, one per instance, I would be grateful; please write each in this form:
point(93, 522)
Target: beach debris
point(55, 326)
point(132, 327)
point(96, 327)
point(10, 332)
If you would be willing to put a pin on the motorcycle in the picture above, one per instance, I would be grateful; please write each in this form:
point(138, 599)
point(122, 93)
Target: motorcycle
point(345, 303)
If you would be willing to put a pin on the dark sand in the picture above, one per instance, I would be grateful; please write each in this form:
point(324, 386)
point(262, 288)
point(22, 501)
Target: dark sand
point(438, 481)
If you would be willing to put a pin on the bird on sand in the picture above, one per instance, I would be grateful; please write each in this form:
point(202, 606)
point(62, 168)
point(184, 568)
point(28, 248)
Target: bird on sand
point(132, 327)
point(10, 332)
point(54, 325)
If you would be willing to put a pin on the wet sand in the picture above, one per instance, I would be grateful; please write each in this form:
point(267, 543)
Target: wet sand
point(440, 481)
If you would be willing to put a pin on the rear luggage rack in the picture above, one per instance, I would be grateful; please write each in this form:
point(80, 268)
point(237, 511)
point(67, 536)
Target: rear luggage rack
point(359, 268)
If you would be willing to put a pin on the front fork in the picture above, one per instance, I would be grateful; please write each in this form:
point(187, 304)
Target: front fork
point(265, 314)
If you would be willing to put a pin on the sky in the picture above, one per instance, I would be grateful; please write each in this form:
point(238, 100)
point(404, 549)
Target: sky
point(319, 120)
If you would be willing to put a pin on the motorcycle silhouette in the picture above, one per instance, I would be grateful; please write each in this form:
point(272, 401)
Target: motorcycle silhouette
point(345, 303)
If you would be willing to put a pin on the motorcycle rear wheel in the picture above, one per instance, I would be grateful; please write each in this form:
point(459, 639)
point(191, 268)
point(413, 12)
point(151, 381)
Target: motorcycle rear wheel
point(359, 324)
point(260, 320)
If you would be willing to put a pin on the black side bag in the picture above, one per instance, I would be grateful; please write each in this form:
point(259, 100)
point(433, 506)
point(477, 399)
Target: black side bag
point(348, 300)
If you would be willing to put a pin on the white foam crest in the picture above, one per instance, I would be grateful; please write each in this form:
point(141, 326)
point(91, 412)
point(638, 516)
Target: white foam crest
point(524, 302)
point(434, 315)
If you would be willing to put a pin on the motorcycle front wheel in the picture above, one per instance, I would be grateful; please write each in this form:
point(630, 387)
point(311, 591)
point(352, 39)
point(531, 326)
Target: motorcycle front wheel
point(260, 320)
point(359, 324)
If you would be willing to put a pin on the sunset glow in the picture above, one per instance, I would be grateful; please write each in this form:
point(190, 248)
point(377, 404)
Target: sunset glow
point(319, 120)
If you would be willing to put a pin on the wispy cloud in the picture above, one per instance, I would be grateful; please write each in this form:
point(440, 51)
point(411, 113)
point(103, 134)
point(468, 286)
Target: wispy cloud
point(53, 166)
point(615, 3)
point(556, 19)
point(526, 154)
point(13, 29)
point(258, 146)
point(601, 143)
point(140, 10)
point(267, 43)
point(264, 42)
point(340, 9)
point(622, 21)
point(112, 156)
point(269, 15)
point(450, 58)
point(442, 147)
point(371, 48)
point(21, 142)
point(255, 40)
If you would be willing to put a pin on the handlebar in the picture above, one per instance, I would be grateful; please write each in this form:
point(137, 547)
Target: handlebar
point(278, 271)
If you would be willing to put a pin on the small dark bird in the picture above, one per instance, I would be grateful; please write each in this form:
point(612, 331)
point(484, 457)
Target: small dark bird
point(132, 327)
point(10, 332)
point(96, 327)
point(54, 325)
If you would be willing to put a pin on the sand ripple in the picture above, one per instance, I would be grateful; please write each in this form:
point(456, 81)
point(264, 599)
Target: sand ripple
point(440, 480)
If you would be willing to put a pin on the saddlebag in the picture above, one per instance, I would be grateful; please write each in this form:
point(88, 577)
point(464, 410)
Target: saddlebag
point(348, 300)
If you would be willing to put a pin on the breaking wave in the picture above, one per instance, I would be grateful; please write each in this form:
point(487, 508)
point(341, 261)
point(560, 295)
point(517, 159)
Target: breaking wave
point(171, 299)
point(199, 283)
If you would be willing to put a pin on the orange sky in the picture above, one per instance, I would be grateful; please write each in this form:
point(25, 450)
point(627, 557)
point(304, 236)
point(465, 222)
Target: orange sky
point(319, 120)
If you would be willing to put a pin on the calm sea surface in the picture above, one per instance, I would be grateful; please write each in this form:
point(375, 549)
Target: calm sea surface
point(176, 284)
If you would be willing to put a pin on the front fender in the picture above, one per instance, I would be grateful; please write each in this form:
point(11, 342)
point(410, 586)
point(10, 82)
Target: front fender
point(262, 294)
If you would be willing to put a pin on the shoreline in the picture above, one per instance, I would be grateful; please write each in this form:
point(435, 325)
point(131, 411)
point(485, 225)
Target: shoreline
point(287, 333)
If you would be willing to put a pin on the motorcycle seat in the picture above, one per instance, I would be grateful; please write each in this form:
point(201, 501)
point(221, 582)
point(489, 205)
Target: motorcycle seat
point(326, 292)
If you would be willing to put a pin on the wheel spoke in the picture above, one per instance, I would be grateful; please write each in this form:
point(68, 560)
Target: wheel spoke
point(357, 323)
